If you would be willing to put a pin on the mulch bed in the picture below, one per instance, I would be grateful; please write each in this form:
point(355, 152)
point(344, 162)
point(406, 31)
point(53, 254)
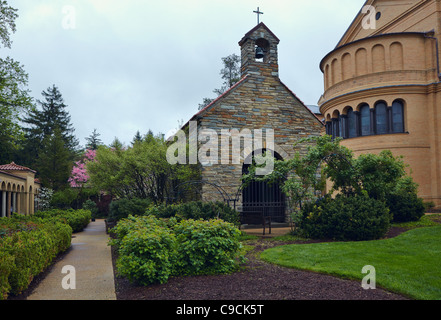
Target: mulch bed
point(257, 280)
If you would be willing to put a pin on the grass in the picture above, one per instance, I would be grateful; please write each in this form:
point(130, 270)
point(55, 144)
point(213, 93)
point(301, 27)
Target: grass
point(408, 264)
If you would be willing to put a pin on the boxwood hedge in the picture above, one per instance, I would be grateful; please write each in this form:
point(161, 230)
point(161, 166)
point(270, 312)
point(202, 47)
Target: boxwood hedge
point(27, 247)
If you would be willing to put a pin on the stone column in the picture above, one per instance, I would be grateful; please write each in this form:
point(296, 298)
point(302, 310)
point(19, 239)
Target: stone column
point(18, 201)
point(3, 209)
point(14, 201)
point(8, 203)
point(26, 203)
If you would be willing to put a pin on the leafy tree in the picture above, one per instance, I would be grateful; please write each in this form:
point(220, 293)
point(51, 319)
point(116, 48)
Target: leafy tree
point(53, 162)
point(140, 171)
point(14, 98)
point(7, 23)
point(93, 141)
point(378, 177)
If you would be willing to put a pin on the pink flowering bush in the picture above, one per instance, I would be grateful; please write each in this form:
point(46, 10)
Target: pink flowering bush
point(79, 175)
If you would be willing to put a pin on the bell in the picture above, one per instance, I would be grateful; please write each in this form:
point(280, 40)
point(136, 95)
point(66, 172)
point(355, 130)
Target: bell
point(259, 53)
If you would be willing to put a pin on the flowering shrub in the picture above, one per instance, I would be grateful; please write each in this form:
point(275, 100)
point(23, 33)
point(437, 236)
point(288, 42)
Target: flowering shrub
point(79, 175)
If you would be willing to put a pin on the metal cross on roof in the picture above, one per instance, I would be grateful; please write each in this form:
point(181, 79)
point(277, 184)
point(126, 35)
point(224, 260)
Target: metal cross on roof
point(258, 12)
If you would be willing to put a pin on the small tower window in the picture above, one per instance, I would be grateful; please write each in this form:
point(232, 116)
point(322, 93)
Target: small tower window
point(262, 48)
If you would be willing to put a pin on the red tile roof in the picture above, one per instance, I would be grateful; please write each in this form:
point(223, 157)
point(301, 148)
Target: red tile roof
point(14, 167)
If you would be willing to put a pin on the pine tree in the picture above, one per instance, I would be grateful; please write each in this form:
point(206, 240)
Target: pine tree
point(137, 138)
point(93, 142)
point(42, 123)
point(53, 163)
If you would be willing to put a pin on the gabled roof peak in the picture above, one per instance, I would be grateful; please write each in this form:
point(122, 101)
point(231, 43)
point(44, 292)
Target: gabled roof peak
point(259, 26)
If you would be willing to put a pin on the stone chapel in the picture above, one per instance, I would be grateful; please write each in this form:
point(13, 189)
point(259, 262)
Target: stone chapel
point(260, 100)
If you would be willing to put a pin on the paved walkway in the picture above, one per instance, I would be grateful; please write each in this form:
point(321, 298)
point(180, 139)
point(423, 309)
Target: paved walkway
point(275, 232)
point(91, 257)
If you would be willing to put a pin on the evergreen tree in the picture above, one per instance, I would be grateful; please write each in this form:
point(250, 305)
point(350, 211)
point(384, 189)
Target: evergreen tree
point(137, 138)
point(42, 123)
point(230, 73)
point(93, 142)
point(53, 163)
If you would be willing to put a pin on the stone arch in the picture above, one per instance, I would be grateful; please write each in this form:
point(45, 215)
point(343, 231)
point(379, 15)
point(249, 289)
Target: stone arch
point(346, 64)
point(361, 62)
point(378, 58)
point(328, 82)
point(336, 73)
point(262, 199)
point(396, 56)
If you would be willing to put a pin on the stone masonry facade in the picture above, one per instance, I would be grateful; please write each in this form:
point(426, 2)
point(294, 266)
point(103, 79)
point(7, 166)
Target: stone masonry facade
point(258, 101)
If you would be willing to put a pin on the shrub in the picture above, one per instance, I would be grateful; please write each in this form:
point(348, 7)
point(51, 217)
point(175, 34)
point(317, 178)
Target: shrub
point(27, 247)
point(206, 247)
point(151, 250)
point(6, 265)
point(76, 219)
point(146, 255)
point(354, 218)
point(92, 207)
point(197, 210)
point(120, 209)
point(405, 207)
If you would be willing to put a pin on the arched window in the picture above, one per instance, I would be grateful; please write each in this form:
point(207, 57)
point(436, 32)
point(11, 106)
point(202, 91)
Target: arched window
point(352, 124)
point(397, 117)
point(336, 124)
point(381, 118)
point(365, 120)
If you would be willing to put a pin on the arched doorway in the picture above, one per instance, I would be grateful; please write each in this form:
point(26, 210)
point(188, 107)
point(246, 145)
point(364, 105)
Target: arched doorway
point(263, 198)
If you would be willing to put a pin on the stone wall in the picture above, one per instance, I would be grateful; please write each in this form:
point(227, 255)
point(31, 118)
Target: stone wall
point(258, 102)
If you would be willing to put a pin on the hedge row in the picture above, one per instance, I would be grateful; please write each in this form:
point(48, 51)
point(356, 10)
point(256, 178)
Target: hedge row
point(122, 208)
point(151, 250)
point(196, 210)
point(76, 219)
point(27, 247)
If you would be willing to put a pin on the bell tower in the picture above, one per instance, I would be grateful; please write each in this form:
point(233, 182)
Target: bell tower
point(259, 52)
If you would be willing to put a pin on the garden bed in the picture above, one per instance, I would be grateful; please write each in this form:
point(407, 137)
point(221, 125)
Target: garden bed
point(257, 280)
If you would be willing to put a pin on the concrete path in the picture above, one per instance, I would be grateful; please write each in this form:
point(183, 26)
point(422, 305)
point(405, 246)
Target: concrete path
point(88, 267)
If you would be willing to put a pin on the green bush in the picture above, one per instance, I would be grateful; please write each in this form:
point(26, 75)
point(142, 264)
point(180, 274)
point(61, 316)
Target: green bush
point(197, 210)
point(92, 207)
point(6, 265)
point(405, 207)
point(122, 208)
point(146, 254)
point(150, 250)
point(76, 219)
point(28, 246)
point(206, 247)
point(354, 218)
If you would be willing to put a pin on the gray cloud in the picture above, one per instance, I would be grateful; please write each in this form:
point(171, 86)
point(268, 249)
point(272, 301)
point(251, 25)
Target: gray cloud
point(139, 65)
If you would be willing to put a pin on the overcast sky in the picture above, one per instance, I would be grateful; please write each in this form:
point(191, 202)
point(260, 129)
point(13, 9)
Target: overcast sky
point(131, 65)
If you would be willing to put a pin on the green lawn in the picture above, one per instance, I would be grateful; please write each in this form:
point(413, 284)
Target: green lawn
point(409, 264)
